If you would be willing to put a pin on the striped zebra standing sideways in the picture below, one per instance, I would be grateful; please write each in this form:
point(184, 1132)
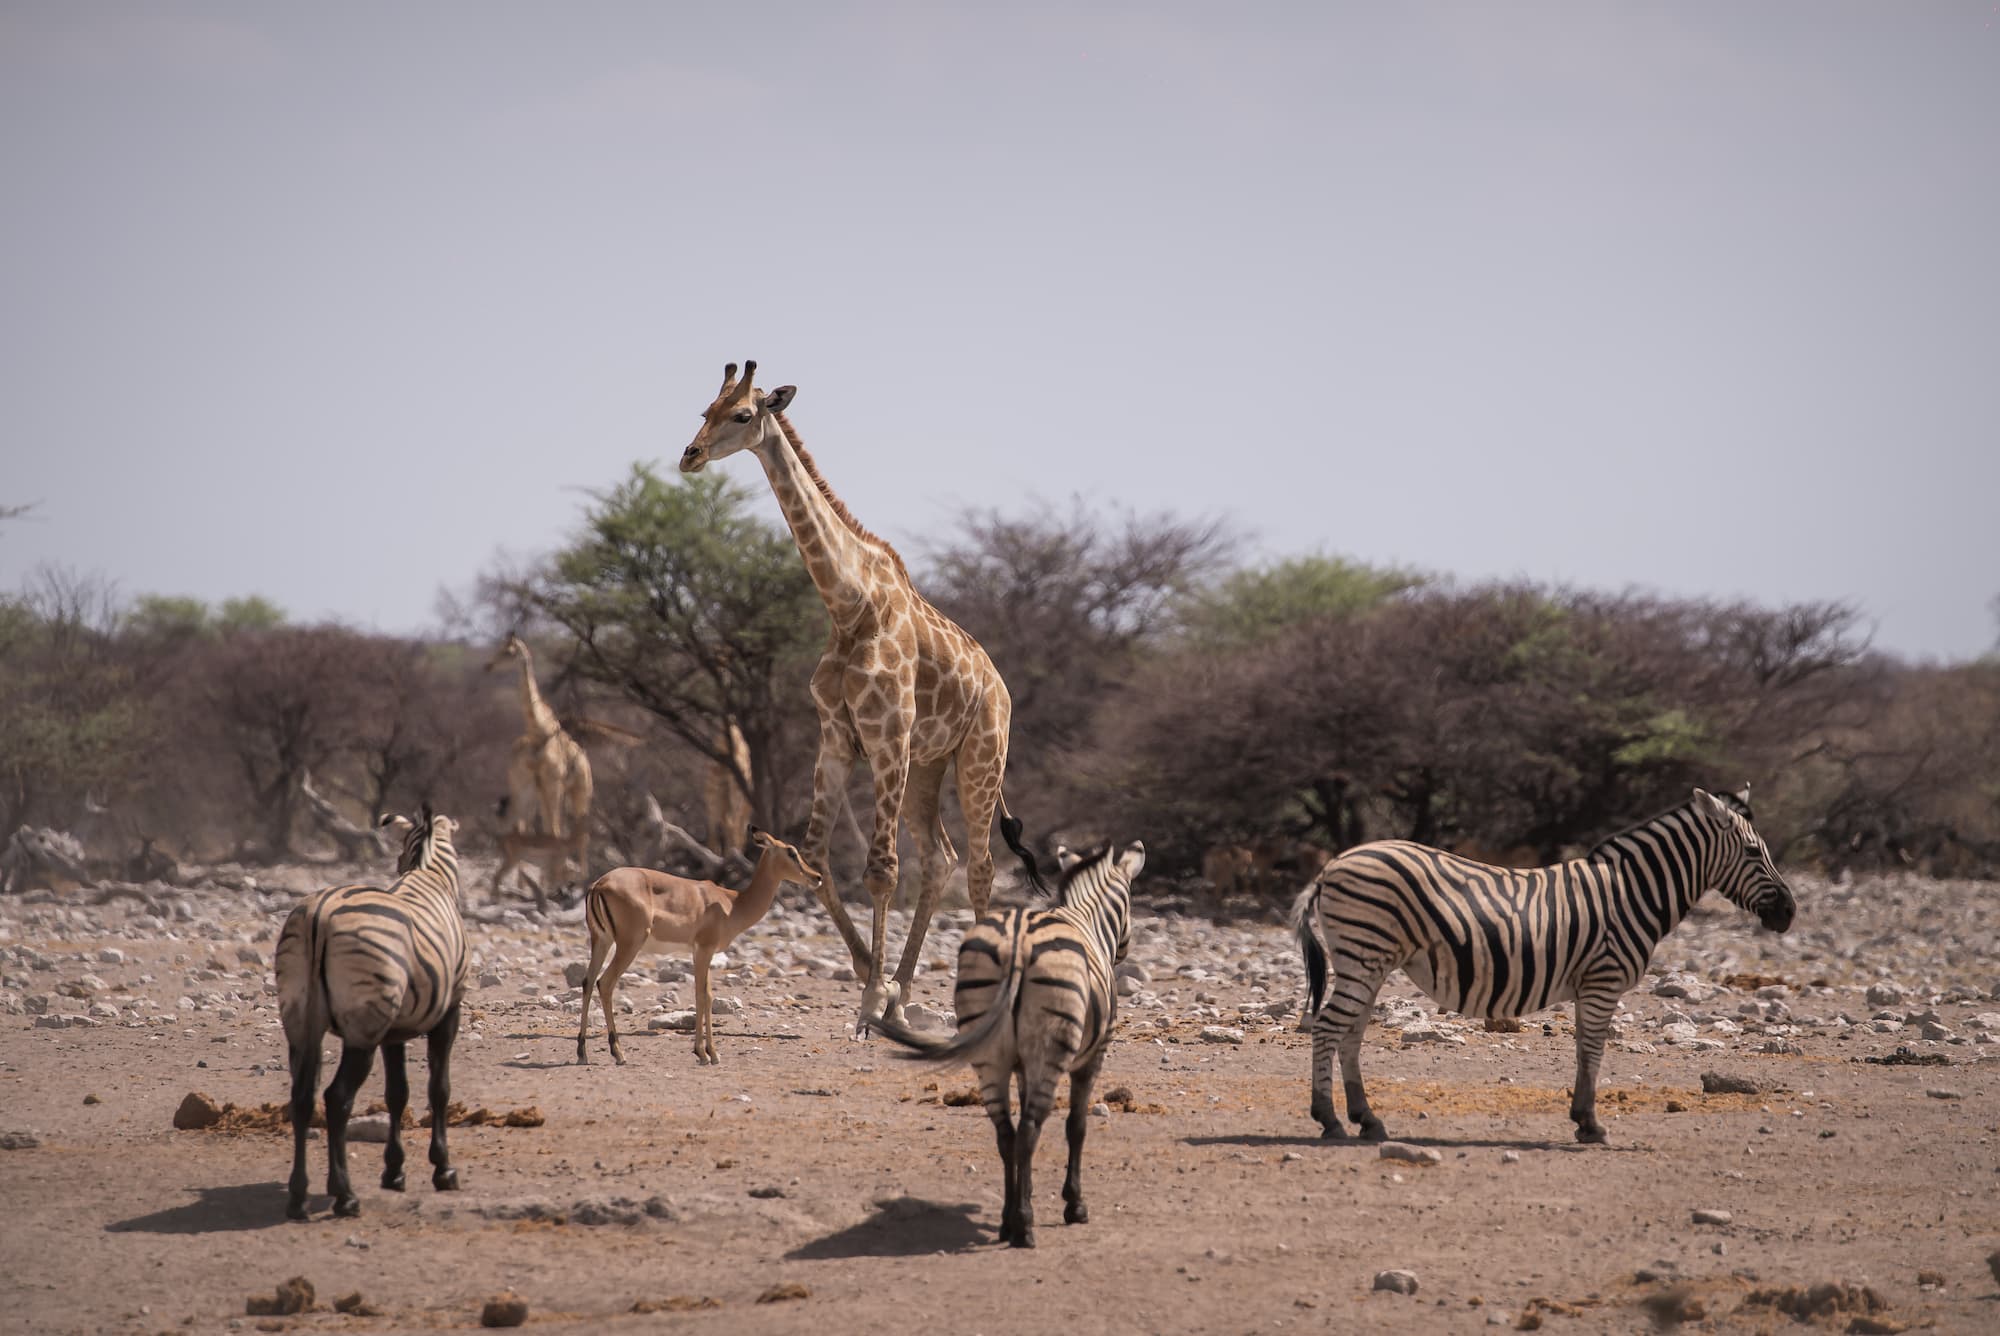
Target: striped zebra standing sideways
point(1035, 996)
point(1498, 942)
point(378, 968)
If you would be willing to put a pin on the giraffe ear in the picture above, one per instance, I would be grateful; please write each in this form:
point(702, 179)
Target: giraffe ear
point(775, 401)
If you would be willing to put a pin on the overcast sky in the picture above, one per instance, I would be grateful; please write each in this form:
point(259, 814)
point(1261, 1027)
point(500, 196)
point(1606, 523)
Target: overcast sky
point(333, 303)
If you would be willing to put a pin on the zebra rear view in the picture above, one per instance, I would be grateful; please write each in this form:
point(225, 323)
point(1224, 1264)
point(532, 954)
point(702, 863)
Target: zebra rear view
point(378, 968)
point(1035, 996)
point(1500, 942)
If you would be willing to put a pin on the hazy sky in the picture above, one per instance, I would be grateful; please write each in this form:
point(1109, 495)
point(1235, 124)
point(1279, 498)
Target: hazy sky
point(333, 303)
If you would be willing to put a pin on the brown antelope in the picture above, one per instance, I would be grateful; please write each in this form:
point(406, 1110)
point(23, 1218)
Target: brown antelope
point(636, 908)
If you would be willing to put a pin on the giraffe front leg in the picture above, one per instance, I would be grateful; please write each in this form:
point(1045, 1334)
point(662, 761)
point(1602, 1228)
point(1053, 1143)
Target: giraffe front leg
point(836, 758)
point(935, 861)
point(1593, 1027)
point(890, 763)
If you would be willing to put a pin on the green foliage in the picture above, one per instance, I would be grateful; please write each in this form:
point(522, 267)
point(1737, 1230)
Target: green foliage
point(166, 619)
point(1670, 735)
point(1256, 603)
point(252, 612)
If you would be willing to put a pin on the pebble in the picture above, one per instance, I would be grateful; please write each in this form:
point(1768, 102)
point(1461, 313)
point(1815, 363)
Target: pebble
point(1939, 1092)
point(374, 1127)
point(1723, 1083)
point(1396, 1150)
point(196, 1111)
point(1706, 1217)
point(505, 1309)
point(921, 1017)
point(19, 1140)
point(1884, 994)
point(1396, 1282)
point(1221, 1034)
point(1510, 1157)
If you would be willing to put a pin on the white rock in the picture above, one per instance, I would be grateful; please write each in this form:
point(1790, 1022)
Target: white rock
point(1707, 1217)
point(1396, 1282)
point(372, 1128)
point(1221, 1034)
point(1884, 994)
point(1396, 1150)
point(575, 973)
point(920, 1017)
point(673, 1020)
point(110, 955)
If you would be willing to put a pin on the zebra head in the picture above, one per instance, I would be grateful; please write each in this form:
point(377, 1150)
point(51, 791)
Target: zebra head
point(741, 418)
point(426, 841)
point(1744, 871)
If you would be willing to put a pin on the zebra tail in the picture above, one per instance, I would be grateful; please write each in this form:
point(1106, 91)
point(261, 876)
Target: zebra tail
point(967, 1044)
point(1304, 911)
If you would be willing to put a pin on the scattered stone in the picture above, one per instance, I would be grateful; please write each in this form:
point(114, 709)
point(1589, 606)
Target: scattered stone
point(778, 1294)
point(110, 955)
point(1933, 1280)
point(1722, 1083)
point(374, 1128)
point(1675, 1106)
point(196, 1112)
point(1396, 1282)
point(673, 1020)
point(505, 1309)
point(921, 1017)
point(1118, 1095)
point(1884, 994)
point(575, 973)
point(1905, 1056)
point(356, 1305)
point(294, 1296)
point(19, 1140)
point(1396, 1150)
point(1705, 1217)
point(767, 1193)
point(1510, 1157)
point(1939, 1092)
point(528, 1117)
point(1221, 1034)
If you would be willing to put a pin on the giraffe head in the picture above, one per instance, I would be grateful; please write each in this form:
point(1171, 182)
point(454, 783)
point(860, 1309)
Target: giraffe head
point(514, 650)
point(741, 418)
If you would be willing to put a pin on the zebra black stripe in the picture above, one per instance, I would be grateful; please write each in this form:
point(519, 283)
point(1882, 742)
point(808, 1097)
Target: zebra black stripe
point(1497, 942)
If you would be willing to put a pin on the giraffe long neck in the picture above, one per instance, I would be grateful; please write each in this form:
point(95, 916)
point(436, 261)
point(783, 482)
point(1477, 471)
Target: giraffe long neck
point(540, 718)
point(843, 559)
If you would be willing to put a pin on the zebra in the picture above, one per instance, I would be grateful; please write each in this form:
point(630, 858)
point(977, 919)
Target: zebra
point(1500, 942)
point(378, 968)
point(1036, 996)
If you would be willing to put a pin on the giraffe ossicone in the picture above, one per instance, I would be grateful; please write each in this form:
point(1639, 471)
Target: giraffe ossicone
point(900, 686)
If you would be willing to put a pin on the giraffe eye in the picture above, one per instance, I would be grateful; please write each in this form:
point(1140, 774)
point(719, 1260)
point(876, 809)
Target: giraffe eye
point(745, 415)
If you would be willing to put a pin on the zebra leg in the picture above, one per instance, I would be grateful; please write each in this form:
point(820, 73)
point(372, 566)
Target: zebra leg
point(438, 1048)
point(1037, 1102)
point(355, 1061)
point(1080, 1083)
point(396, 1077)
point(305, 1079)
point(1358, 1111)
point(998, 1098)
point(1338, 1028)
point(1593, 1027)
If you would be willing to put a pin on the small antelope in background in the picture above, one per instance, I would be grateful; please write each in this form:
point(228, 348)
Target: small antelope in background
point(635, 909)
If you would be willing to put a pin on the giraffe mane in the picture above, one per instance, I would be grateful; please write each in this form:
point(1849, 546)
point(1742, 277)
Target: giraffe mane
point(839, 507)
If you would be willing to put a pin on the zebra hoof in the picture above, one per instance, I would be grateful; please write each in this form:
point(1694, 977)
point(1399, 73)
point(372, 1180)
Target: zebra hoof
point(1332, 1132)
point(1024, 1239)
point(296, 1210)
point(1372, 1130)
point(1076, 1213)
point(1592, 1136)
point(445, 1180)
point(393, 1181)
point(347, 1207)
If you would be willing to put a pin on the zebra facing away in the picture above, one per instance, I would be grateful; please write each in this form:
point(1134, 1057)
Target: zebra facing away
point(1035, 997)
point(378, 968)
point(1498, 942)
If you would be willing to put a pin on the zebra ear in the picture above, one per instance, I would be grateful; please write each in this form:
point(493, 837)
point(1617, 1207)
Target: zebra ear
point(1710, 805)
point(1743, 795)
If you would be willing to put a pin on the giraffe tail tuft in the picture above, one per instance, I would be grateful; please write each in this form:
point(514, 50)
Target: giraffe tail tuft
point(1010, 831)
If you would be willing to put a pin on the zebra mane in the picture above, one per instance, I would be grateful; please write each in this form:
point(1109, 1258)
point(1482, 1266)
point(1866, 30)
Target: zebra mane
point(1087, 866)
point(1602, 849)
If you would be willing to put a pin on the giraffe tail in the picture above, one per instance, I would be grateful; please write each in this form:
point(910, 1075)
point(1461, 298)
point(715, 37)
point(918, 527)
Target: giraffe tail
point(1010, 831)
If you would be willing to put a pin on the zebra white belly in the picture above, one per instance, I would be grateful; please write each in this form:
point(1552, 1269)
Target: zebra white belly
point(1433, 972)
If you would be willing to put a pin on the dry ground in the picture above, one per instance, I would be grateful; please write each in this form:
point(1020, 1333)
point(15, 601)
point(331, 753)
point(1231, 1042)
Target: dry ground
point(810, 1158)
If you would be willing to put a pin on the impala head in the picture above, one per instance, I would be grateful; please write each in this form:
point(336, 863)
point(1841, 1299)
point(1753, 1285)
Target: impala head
point(1747, 876)
point(512, 650)
point(792, 865)
point(742, 417)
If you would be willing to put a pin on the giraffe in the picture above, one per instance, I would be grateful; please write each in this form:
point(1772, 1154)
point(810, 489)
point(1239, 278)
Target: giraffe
point(548, 773)
point(722, 797)
point(900, 685)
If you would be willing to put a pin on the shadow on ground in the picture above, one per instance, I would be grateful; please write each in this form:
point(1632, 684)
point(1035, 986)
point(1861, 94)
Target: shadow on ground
point(901, 1227)
point(1438, 1143)
point(215, 1211)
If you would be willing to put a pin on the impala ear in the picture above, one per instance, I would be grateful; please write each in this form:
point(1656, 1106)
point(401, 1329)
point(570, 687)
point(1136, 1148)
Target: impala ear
point(776, 400)
point(759, 838)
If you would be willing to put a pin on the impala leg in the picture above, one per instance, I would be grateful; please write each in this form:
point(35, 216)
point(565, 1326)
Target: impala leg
point(704, 1007)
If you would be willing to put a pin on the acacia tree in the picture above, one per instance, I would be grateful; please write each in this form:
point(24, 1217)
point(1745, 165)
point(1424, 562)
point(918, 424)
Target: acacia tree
point(683, 603)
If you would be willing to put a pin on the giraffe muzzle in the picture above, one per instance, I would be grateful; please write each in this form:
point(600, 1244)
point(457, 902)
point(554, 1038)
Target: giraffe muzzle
point(693, 458)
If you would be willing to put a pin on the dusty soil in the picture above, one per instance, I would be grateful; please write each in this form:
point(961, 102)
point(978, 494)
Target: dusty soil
point(813, 1165)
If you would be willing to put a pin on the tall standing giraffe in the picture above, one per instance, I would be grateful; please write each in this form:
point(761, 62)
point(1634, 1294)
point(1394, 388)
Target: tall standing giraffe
point(900, 685)
point(547, 773)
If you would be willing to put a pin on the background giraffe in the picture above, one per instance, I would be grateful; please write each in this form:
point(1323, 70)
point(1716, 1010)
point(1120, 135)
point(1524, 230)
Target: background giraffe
point(548, 774)
point(723, 799)
point(900, 685)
